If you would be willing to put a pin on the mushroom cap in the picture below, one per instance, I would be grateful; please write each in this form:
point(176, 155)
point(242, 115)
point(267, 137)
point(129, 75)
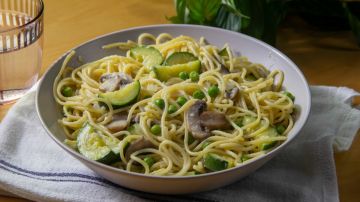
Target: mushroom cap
point(114, 81)
point(118, 123)
point(193, 118)
point(232, 93)
point(201, 122)
point(213, 120)
point(137, 145)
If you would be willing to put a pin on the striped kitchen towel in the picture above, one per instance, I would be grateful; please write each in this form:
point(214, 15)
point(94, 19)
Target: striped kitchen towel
point(34, 167)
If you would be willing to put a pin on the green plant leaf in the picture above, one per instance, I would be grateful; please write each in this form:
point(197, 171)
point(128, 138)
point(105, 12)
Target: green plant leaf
point(275, 11)
point(180, 6)
point(255, 9)
point(227, 20)
point(257, 18)
point(231, 6)
point(180, 9)
point(354, 20)
point(174, 19)
point(203, 11)
point(230, 16)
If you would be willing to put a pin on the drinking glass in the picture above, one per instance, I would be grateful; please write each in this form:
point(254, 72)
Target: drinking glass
point(21, 42)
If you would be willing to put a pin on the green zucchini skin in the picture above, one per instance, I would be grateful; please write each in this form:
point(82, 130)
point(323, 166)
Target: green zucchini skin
point(271, 132)
point(92, 146)
point(164, 73)
point(179, 58)
point(149, 56)
point(125, 96)
point(214, 162)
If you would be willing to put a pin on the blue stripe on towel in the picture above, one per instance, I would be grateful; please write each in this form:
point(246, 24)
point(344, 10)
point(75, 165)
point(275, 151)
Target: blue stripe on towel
point(62, 174)
point(49, 179)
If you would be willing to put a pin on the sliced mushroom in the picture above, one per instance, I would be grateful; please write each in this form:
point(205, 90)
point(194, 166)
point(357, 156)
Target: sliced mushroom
point(193, 118)
point(118, 123)
point(125, 79)
point(214, 120)
point(262, 71)
point(110, 84)
point(137, 145)
point(114, 81)
point(232, 93)
point(105, 77)
point(135, 119)
point(201, 122)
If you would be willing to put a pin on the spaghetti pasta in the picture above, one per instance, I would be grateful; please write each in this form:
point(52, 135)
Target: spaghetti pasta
point(219, 116)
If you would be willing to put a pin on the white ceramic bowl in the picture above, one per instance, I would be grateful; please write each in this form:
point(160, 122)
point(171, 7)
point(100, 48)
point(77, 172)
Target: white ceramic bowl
point(257, 51)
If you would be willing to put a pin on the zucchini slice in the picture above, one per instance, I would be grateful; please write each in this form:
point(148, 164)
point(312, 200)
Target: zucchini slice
point(270, 132)
point(180, 58)
point(149, 56)
point(92, 146)
point(214, 162)
point(125, 96)
point(135, 129)
point(113, 144)
point(71, 143)
point(164, 73)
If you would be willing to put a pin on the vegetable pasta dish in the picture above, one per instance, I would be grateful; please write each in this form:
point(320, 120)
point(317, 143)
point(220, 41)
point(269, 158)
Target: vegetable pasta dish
point(173, 106)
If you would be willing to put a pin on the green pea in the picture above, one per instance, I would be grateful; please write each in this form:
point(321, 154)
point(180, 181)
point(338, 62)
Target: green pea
point(205, 144)
point(149, 160)
point(155, 129)
point(291, 96)
point(181, 100)
point(213, 91)
point(172, 109)
point(280, 129)
point(198, 94)
point(160, 103)
point(68, 91)
point(194, 76)
point(183, 75)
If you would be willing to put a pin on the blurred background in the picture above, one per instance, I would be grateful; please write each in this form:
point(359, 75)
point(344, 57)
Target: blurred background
point(320, 36)
point(261, 18)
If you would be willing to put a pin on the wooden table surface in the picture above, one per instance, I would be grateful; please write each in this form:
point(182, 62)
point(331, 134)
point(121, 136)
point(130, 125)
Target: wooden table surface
point(326, 58)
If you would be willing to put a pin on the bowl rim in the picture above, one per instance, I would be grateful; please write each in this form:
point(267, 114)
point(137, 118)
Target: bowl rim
point(306, 111)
